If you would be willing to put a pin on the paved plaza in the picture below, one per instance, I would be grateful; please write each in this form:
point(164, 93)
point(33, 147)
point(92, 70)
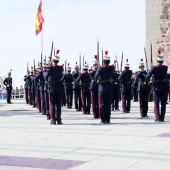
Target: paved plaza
point(29, 142)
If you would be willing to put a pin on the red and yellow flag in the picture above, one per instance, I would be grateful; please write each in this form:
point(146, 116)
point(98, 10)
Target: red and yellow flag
point(39, 20)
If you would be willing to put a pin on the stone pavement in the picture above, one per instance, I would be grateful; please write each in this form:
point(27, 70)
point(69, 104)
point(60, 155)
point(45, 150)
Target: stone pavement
point(29, 142)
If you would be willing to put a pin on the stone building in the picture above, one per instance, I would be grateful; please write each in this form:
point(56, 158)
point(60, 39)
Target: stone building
point(158, 29)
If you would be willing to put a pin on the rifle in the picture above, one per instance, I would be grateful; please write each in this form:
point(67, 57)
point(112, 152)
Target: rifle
point(41, 60)
point(65, 69)
point(83, 64)
point(151, 57)
point(102, 56)
point(146, 60)
point(80, 62)
point(34, 64)
point(121, 62)
point(97, 51)
point(117, 63)
point(51, 50)
point(27, 67)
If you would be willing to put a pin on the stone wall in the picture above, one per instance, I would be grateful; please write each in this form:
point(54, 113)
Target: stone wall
point(158, 29)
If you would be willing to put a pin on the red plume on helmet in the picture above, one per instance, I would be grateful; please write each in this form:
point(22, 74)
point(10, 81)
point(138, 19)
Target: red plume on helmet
point(106, 52)
point(76, 62)
point(57, 51)
point(114, 61)
point(68, 64)
point(85, 62)
point(63, 65)
point(95, 56)
point(141, 59)
point(127, 60)
point(159, 51)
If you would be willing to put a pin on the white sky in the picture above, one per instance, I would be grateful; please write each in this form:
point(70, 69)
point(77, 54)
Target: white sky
point(75, 26)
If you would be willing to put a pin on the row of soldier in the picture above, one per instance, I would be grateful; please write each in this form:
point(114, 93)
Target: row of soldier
point(100, 87)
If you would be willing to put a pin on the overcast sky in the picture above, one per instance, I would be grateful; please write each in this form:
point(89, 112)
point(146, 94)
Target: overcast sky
point(75, 26)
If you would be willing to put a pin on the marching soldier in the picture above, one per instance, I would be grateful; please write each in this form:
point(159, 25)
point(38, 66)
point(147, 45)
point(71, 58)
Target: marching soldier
point(105, 73)
point(143, 90)
point(55, 90)
point(8, 83)
point(134, 88)
point(125, 80)
point(160, 87)
point(26, 85)
point(39, 79)
point(46, 97)
point(68, 80)
point(85, 91)
point(94, 91)
point(115, 90)
point(76, 88)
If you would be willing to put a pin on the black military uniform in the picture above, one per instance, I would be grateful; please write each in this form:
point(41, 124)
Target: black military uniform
point(160, 87)
point(125, 80)
point(104, 74)
point(85, 91)
point(55, 90)
point(134, 88)
point(76, 88)
point(68, 80)
point(94, 91)
point(8, 83)
point(143, 90)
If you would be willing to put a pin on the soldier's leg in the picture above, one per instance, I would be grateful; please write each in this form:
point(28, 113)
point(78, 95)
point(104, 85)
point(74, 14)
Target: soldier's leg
point(83, 97)
point(42, 102)
point(163, 105)
point(117, 98)
point(58, 104)
point(71, 98)
point(88, 102)
point(141, 107)
point(67, 97)
point(76, 99)
point(52, 107)
point(145, 104)
point(128, 93)
point(102, 106)
point(80, 101)
point(123, 97)
point(108, 107)
point(156, 103)
point(113, 98)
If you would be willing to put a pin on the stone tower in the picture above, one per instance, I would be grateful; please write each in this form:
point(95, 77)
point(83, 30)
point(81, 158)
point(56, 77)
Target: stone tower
point(158, 29)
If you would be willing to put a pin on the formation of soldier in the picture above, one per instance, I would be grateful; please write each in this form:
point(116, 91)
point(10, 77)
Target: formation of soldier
point(48, 88)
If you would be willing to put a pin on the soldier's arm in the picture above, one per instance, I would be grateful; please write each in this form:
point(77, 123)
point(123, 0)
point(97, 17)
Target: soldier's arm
point(5, 82)
point(120, 78)
point(98, 72)
point(62, 79)
point(78, 79)
point(47, 75)
point(149, 74)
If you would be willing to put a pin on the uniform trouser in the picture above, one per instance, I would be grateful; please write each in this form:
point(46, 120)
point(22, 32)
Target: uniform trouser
point(63, 96)
point(160, 96)
point(115, 97)
point(55, 100)
point(38, 100)
point(126, 100)
point(33, 96)
point(8, 91)
point(86, 101)
point(69, 97)
point(46, 97)
point(169, 93)
point(105, 106)
point(135, 94)
point(95, 103)
point(42, 102)
point(143, 103)
point(30, 96)
point(77, 99)
point(26, 95)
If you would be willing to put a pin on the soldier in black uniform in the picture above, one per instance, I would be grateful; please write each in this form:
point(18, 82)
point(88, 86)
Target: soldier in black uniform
point(85, 84)
point(8, 83)
point(26, 86)
point(105, 88)
point(94, 91)
point(160, 87)
point(76, 88)
point(68, 80)
point(125, 79)
point(143, 90)
point(134, 88)
point(115, 90)
point(55, 90)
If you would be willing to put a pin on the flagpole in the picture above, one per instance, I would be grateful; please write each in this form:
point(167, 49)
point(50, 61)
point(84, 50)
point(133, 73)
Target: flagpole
point(42, 42)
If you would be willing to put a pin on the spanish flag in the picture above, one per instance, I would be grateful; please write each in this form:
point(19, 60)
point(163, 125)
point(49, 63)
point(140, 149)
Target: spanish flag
point(39, 20)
